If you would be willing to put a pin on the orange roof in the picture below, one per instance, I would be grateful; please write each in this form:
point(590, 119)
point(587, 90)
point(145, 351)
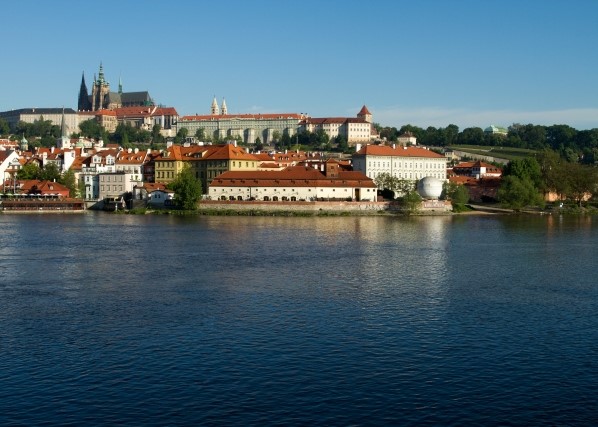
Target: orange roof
point(145, 111)
point(364, 110)
point(385, 150)
point(132, 158)
point(152, 186)
point(293, 176)
point(230, 152)
point(43, 187)
point(103, 112)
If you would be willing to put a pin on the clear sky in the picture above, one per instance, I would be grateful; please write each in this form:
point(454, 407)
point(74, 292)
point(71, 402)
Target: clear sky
point(424, 62)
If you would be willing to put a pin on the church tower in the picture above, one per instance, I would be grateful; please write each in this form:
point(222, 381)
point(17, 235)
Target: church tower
point(214, 110)
point(83, 104)
point(100, 91)
point(64, 141)
point(224, 109)
point(365, 114)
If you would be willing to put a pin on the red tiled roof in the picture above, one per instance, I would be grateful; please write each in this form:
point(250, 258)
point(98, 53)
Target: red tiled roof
point(152, 186)
point(364, 110)
point(132, 158)
point(43, 187)
point(243, 116)
point(145, 111)
point(385, 150)
point(293, 176)
point(230, 152)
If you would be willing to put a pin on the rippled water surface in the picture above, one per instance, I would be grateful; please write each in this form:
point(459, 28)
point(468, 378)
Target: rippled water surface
point(158, 320)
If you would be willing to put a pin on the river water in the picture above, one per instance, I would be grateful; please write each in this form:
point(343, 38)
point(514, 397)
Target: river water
point(160, 320)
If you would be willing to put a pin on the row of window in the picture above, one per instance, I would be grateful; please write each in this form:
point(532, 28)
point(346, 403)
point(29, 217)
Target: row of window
point(432, 165)
point(411, 175)
point(114, 188)
point(293, 190)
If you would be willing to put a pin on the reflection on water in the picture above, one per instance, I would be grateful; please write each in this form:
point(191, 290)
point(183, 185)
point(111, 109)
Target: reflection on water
point(115, 319)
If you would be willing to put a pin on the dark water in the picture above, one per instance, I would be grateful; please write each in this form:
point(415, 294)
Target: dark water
point(132, 320)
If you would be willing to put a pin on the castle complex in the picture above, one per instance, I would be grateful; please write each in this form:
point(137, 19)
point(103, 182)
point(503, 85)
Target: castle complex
point(250, 127)
point(101, 98)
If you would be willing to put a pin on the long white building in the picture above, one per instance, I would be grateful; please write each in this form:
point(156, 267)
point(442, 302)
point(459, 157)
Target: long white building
point(411, 163)
point(295, 183)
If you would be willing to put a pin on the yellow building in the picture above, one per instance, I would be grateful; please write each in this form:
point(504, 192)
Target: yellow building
point(206, 162)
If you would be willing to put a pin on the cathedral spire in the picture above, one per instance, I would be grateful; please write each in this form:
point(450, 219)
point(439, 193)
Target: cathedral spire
point(224, 109)
point(120, 85)
point(64, 140)
point(214, 110)
point(83, 103)
point(101, 74)
point(63, 125)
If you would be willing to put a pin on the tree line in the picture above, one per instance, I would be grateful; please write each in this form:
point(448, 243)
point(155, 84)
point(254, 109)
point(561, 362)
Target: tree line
point(571, 144)
point(528, 181)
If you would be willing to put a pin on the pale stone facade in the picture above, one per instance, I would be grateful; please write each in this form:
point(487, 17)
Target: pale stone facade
point(411, 163)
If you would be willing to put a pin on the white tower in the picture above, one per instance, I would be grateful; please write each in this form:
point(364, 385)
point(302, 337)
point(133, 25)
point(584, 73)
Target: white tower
point(215, 111)
point(224, 110)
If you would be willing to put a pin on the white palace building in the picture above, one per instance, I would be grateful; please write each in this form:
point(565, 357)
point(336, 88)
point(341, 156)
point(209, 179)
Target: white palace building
point(250, 127)
point(412, 163)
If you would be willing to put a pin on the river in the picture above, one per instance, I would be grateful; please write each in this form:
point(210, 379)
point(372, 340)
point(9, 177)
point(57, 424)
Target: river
point(164, 320)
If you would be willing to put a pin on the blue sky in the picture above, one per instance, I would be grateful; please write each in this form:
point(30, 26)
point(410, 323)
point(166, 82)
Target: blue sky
point(425, 62)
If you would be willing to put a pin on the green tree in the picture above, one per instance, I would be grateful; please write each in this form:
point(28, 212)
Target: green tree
point(68, 180)
point(341, 143)
point(24, 129)
point(156, 136)
point(4, 127)
point(144, 136)
point(50, 172)
point(411, 202)
point(29, 171)
point(397, 186)
point(456, 193)
point(322, 139)
point(124, 142)
point(525, 168)
point(517, 193)
point(552, 171)
point(451, 132)
point(200, 134)
point(181, 135)
point(471, 136)
point(187, 189)
point(581, 182)
point(91, 129)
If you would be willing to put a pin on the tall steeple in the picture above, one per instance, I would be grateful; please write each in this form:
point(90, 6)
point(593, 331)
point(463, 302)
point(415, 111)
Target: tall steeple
point(224, 109)
point(64, 140)
point(101, 74)
point(99, 91)
point(83, 103)
point(120, 85)
point(214, 110)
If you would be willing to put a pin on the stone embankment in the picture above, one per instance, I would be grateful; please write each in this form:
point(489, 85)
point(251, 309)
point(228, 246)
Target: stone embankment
point(315, 207)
